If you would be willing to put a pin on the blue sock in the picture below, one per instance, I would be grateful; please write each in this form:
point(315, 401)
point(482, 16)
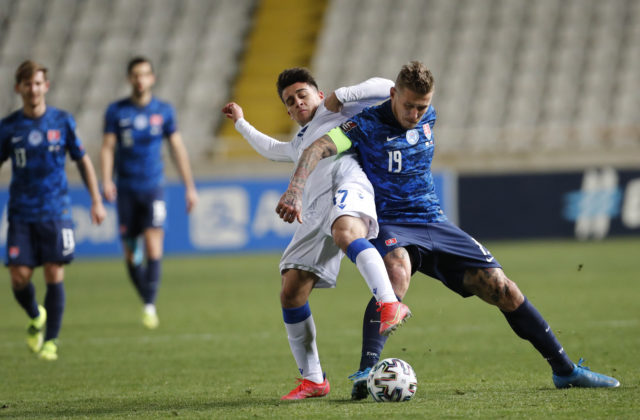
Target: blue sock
point(295, 315)
point(527, 322)
point(54, 301)
point(27, 299)
point(152, 283)
point(356, 247)
point(372, 341)
point(136, 275)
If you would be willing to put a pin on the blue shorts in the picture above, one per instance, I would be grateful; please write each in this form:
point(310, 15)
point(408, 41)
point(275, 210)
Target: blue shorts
point(33, 244)
point(138, 211)
point(440, 250)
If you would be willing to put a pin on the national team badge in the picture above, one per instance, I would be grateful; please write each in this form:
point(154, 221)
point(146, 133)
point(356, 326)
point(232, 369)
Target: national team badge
point(14, 251)
point(156, 119)
point(391, 241)
point(427, 131)
point(140, 122)
point(348, 126)
point(53, 136)
point(35, 138)
point(412, 137)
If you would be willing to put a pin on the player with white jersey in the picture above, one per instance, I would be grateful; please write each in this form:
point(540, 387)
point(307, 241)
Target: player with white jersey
point(339, 216)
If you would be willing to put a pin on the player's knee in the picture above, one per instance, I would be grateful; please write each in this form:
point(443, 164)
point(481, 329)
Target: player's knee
point(19, 283)
point(347, 229)
point(494, 287)
point(295, 288)
point(20, 277)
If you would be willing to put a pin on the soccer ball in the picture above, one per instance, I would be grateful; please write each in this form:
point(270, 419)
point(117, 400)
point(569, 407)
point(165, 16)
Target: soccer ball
point(392, 380)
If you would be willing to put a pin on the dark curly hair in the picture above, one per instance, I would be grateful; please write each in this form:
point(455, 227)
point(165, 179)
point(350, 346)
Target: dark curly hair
point(294, 75)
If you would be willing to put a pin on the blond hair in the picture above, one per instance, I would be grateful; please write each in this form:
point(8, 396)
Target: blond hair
point(416, 77)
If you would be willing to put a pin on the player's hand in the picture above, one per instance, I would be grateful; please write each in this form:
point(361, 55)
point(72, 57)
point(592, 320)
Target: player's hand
point(233, 111)
point(98, 213)
point(191, 198)
point(289, 207)
point(109, 190)
point(332, 103)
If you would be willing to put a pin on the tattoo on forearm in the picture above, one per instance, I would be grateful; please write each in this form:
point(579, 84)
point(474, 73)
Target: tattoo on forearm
point(319, 149)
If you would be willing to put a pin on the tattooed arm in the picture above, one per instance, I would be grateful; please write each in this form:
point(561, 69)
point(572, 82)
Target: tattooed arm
point(290, 205)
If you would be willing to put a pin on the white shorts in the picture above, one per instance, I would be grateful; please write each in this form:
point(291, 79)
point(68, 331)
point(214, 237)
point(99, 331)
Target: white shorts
point(312, 248)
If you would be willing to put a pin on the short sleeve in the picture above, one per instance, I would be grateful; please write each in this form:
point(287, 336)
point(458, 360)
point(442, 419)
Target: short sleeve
point(169, 124)
point(4, 143)
point(111, 120)
point(74, 144)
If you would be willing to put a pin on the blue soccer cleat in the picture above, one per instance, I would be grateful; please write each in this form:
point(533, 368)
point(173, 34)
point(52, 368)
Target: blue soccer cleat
point(136, 249)
point(359, 379)
point(583, 377)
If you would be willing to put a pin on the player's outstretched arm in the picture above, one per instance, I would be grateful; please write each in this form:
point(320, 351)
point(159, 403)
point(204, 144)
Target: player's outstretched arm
point(268, 147)
point(371, 90)
point(88, 174)
point(290, 205)
point(181, 157)
point(106, 165)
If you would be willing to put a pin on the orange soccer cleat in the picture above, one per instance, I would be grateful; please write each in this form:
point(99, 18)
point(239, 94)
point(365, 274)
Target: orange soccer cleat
point(392, 315)
point(308, 389)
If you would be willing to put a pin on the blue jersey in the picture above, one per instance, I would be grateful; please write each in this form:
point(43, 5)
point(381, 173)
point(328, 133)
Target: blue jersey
point(139, 132)
point(37, 148)
point(398, 164)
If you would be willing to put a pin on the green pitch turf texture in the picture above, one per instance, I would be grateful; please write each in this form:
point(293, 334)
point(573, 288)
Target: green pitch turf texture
point(221, 349)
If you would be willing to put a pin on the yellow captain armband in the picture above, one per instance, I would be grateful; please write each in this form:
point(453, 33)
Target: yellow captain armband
point(341, 141)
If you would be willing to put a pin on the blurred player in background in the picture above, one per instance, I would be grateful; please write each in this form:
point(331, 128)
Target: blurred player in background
point(395, 144)
point(133, 133)
point(340, 217)
point(37, 139)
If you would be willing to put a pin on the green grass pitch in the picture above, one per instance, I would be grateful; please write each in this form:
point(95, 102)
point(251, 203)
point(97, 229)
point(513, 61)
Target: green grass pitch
point(221, 349)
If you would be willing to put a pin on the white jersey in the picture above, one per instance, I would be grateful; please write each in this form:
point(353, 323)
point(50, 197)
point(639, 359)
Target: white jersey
point(312, 248)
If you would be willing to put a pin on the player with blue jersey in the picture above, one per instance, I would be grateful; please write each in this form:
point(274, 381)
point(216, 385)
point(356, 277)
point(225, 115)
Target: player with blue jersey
point(395, 144)
point(37, 139)
point(340, 218)
point(134, 130)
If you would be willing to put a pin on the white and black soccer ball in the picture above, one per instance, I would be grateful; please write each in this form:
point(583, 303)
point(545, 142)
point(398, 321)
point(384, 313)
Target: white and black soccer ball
point(392, 380)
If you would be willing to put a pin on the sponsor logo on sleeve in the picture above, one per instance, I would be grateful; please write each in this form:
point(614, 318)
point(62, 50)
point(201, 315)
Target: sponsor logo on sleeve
point(348, 126)
point(391, 241)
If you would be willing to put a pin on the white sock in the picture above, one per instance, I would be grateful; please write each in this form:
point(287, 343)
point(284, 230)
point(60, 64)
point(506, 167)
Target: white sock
point(302, 340)
point(150, 308)
point(372, 268)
